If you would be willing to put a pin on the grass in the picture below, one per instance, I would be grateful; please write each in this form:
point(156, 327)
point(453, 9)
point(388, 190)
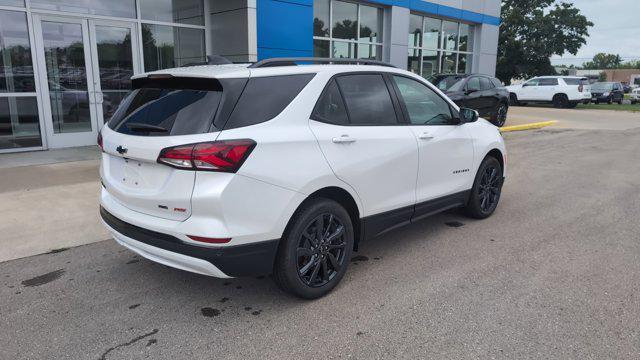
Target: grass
point(614, 106)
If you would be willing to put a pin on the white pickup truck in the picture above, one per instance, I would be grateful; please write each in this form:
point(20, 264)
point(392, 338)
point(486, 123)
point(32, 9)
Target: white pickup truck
point(561, 91)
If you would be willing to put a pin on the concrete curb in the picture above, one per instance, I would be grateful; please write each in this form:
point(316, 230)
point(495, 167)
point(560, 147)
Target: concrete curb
point(530, 126)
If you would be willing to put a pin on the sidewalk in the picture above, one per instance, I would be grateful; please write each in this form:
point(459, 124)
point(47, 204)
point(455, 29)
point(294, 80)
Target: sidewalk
point(49, 201)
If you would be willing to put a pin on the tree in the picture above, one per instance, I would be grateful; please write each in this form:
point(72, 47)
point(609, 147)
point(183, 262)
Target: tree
point(534, 30)
point(602, 76)
point(603, 61)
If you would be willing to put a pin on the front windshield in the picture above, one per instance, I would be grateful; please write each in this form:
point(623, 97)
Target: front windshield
point(447, 83)
point(601, 86)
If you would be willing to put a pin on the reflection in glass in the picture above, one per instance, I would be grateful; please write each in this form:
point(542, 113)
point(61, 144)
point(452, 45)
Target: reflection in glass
point(321, 18)
point(450, 33)
point(115, 63)
point(464, 63)
point(344, 50)
point(66, 75)
point(321, 48)
point(177, 11)
point(466, 38)
point(16, 68)
point(429, 63)
point(370, 51)
point(448, 63)
point(19, 125)
point(116, 8)
point(345, 20)
point(415, 30)
point(431, 36)
point(166, 46)
point(16, 3)
point(413, 63)
point(370, 24)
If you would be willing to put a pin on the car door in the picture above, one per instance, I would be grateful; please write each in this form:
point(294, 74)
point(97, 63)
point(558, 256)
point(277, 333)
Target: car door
point(473, 94)
point(619, 92)
point(488, 97)
point(547, 88)
point(361, 136)
point(445, 148)
point(528, 90)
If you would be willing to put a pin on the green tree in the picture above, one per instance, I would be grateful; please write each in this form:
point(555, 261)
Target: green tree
point(602, 76)
point(534, 30)
point(603, 61)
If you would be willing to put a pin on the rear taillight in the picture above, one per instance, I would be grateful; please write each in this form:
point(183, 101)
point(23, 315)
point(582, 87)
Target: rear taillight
point(100, 141)
point(581, 88)
point(223, 156)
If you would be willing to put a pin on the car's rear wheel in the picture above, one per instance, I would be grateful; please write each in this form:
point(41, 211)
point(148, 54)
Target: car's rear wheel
point(560, 101)
point(315, 251)
point(513, 99)
point(486, 190)
point(500, 115)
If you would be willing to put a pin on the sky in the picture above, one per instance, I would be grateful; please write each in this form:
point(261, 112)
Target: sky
point(616, 30)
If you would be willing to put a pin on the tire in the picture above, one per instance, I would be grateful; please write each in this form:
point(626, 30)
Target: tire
point(316, 270)
point(610, 101)
point(500, 114)
point(486, 190)
point(560, 101)
point(513, 99)
point(620, 102)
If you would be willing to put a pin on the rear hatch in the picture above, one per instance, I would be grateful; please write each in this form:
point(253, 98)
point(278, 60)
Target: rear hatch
point(162, 111)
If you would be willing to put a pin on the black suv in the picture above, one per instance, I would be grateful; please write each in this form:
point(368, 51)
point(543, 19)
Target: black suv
point(483, 93)
point(608, 92)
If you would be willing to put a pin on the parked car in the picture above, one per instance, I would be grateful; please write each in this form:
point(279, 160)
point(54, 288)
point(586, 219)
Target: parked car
point(608, 92)
point(561, 91)
point(626, 88)
point(635, 96)
point(482, 93)
point(229, 170)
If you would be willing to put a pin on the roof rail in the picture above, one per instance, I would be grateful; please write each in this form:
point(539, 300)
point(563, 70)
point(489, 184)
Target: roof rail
point(292, 61)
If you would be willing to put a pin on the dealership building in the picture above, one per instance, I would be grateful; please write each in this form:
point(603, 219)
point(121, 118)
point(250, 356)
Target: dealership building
point(65, 64)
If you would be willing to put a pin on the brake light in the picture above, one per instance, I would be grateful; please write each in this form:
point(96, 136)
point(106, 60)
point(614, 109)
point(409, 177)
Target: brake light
point(581, 88)
point(100, 141)
point(222, 156)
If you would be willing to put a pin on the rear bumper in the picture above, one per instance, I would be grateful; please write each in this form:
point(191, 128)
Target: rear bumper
point(223, 262)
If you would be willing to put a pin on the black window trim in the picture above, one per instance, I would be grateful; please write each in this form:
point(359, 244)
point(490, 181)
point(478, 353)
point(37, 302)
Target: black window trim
point(454, 114)
point(400, 119)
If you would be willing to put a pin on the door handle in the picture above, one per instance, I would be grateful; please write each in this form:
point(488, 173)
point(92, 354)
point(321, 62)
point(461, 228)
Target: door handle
point(425, 136)
point(344, 139)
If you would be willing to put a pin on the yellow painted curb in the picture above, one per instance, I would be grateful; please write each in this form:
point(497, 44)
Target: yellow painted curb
point(537, 125)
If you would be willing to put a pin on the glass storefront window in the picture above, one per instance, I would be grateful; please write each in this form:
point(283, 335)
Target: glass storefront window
point(115, 62)
point(17, 3)
point(321, 20)
point(445, 46)
point(431, 37)
point(16, 67)
point(166, 46)
point(115, 8)
point(176, 11)
point(19, 123)
point(356, 30)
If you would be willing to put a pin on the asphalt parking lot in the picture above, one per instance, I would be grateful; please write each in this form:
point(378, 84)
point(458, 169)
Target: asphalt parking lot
point(554, 274)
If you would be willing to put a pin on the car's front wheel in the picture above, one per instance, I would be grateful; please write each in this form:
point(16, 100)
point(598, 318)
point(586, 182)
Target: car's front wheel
point(315, 250)
point(500, 115)
point(486, 190)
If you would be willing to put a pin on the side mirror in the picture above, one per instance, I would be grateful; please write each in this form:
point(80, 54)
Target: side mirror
point(468, 115)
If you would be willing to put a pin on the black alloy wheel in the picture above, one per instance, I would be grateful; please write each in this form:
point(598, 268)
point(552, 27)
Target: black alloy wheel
point(501, 115)
point(487, 187)
point(321, 250)
point(560, 101)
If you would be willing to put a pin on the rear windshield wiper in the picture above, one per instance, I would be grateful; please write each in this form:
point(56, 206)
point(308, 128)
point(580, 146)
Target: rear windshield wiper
point(145, 127)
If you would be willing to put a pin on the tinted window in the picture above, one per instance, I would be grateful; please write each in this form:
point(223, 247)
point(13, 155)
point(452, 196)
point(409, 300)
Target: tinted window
point(485, 84)
point(164, 111)
point(473, 83)
point(533, 82)
point(574, 81)
point(330, 107)
point(548, 82)
point(265, 97)
point(367, 99)
point(423, 105)
point(496, 82)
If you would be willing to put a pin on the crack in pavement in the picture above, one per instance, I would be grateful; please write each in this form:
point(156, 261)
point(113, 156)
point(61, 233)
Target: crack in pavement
point(131, 342)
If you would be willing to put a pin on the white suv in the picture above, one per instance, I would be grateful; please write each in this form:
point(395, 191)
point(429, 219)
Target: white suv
point(238, 170)
point(561, 91)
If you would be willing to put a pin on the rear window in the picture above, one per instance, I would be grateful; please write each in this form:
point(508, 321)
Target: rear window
point(575, 81)
point(155, 111)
